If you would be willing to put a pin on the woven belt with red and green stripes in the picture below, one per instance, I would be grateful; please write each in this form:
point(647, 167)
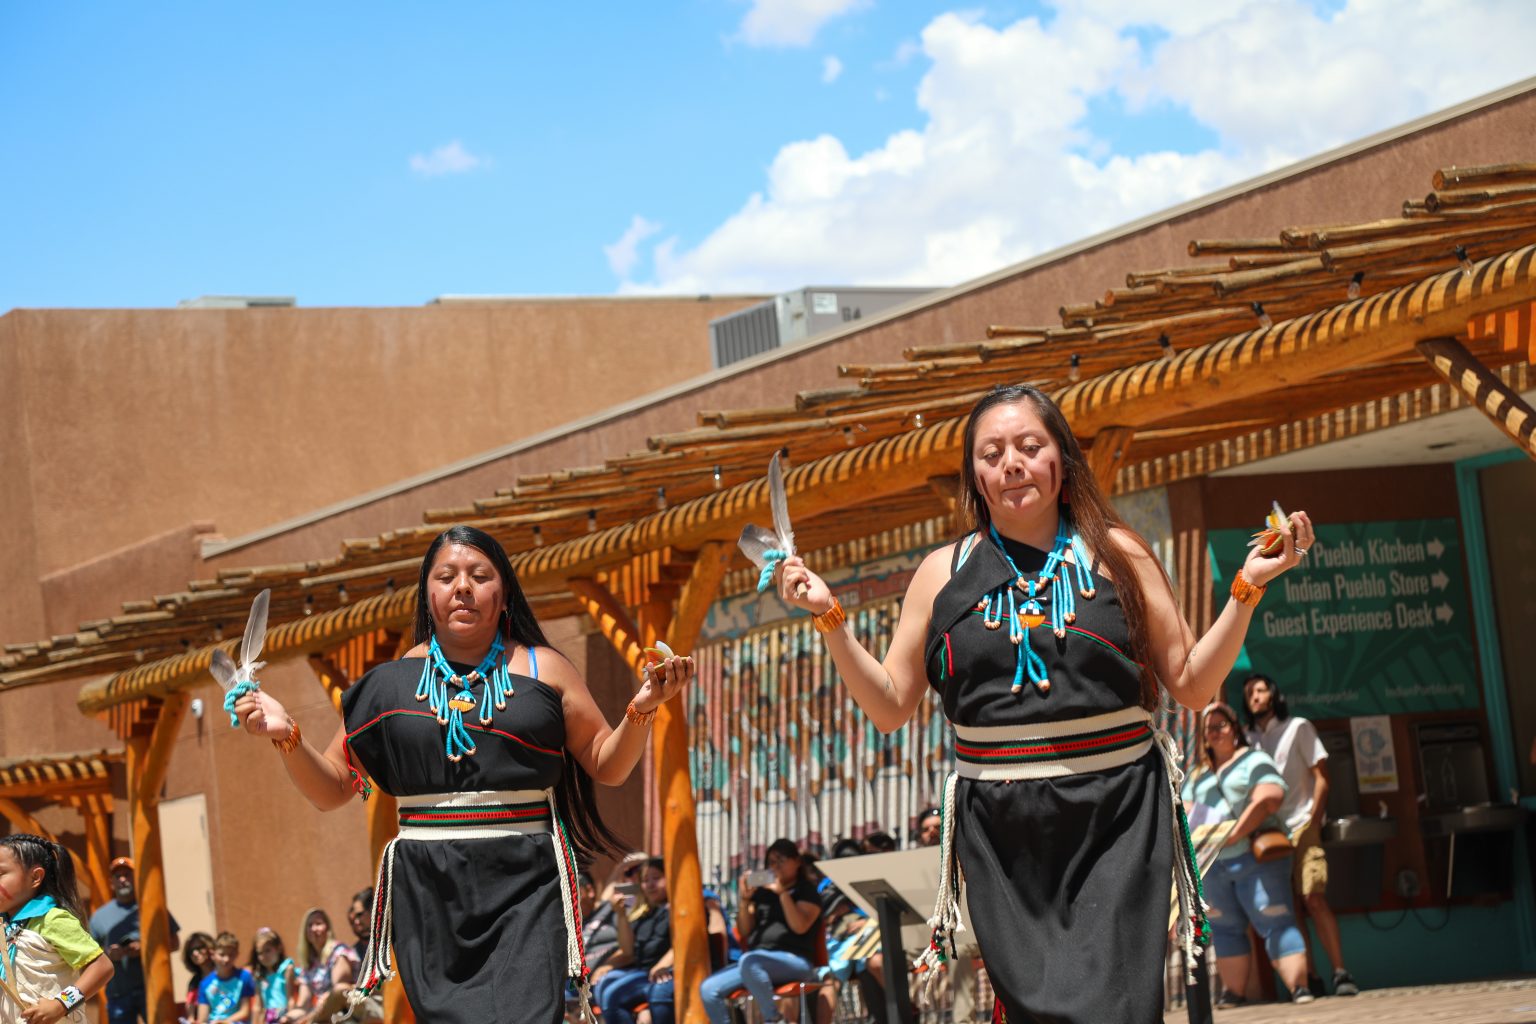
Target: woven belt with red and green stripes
point(483, 815)
point(1051, 749)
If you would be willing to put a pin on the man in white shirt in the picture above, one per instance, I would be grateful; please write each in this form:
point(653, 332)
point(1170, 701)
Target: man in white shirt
point(1294, 745)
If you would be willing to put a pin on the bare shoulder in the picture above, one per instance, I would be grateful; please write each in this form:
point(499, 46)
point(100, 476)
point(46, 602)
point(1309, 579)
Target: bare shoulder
point(939, 559)
point(933, 572)
point(556, 669)
point(419, 651)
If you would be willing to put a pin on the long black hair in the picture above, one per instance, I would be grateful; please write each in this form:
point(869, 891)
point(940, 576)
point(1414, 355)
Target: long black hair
point(1276, 700)
point(1080, 502)
point(789, 850)
point(575, 795)
point(34, 851)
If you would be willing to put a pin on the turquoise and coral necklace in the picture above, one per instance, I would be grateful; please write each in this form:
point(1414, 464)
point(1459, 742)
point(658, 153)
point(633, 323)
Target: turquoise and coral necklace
point(1029, 608)
point(438, 677)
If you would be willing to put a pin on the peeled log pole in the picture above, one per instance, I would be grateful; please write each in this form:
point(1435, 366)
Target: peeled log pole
point(1498, 401)
point(680, 837)
point(149, 757)
point(1110, 448)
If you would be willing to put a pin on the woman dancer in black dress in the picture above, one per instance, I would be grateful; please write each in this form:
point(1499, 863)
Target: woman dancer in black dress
point(490, 740)
point(1047, 632)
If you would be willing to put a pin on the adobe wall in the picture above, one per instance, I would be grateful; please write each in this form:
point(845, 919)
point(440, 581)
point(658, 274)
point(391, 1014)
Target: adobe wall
point(1365, 186)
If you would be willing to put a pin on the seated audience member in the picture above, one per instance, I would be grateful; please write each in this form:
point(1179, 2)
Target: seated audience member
point(646, 941)
point(777, 924)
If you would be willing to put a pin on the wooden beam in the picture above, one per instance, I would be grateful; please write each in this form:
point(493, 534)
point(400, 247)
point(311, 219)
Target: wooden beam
point(331, 677)
point(680, 838)
point(22, 821)
point(947, 487)
point(1496, 400)
point(1301, 350)
point(301, 636)
point(149, 758)
point(1110, 448)
point(613, 620)
point(710, 565)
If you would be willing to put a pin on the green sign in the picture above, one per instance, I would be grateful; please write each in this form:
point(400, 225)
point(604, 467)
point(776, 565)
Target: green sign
point(1374, 621)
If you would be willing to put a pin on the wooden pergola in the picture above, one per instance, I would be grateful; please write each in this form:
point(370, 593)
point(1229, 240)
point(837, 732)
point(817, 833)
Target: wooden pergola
point(1262, 346)
point(82, 782)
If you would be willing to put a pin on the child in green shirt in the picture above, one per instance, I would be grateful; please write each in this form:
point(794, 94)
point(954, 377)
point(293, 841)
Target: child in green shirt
point(47, 957)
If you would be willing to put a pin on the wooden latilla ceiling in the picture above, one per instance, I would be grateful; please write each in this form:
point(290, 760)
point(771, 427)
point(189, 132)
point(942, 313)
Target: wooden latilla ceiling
point(59, 776)
point(1178, 360)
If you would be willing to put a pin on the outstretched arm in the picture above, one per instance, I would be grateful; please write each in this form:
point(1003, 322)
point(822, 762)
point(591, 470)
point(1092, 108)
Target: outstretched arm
point(1191, 670)
point(888, 691)
point(322, 776)
point(610, 754)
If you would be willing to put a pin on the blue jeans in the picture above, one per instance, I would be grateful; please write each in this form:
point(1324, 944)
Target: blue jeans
point(128, 1009)
point(1240, 892)
point(623, 989)
point(760, 970)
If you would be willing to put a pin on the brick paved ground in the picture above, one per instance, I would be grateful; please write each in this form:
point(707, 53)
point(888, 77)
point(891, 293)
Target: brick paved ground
point(1490, 1002)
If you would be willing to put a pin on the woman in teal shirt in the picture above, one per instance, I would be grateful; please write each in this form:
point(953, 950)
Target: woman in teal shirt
point(1238, 783)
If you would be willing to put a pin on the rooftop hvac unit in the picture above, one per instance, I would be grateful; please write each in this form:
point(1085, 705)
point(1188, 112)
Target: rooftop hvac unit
point(797, 315)
point(238, 302)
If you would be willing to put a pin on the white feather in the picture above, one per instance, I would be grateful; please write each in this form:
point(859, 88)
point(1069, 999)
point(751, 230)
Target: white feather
point(255, 635)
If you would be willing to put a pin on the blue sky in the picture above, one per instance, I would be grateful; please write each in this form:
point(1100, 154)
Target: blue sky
point(383, 154)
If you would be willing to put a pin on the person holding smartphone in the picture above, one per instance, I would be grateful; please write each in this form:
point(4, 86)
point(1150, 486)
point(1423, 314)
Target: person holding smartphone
point(645, 938)
point(777, 920)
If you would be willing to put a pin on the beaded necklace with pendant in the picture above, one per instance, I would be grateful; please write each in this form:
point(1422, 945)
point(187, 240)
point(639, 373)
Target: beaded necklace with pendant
point(1031, 602)
point(437, 680)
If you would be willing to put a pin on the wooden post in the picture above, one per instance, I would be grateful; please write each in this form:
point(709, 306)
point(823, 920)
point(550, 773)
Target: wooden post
point(95, 813)
point(149, 757)
point(25, 822)
point(680, 837)
point(1496, 400)
point(630, 634)
point(1111, 445)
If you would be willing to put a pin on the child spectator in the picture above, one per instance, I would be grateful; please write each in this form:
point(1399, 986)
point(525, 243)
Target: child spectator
point(277, 980)
point(197, 956)
point(228, 992)
point(51, 960)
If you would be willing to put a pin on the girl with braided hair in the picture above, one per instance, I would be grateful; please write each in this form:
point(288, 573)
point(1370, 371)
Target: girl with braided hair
point(48, 959)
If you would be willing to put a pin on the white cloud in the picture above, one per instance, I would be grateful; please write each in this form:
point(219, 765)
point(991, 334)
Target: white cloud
point(450, 159)
point(791, 22)
point(624, 254)
point(1003, 164)
point(831, 68)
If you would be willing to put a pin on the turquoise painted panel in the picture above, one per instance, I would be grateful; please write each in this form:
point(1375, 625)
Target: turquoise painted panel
point(1375, 620)
point(1393, 948)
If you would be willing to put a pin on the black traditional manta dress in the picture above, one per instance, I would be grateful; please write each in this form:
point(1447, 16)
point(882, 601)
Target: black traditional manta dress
point(1068, 871)
point(475, 900)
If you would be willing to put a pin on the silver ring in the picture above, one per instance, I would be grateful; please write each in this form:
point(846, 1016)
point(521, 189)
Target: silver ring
point(1300, 552)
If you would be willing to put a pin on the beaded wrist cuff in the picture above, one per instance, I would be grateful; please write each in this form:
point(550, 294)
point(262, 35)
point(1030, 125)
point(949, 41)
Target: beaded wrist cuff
point(1244, 592)
point(288, 744)
point(830, 619)
point(71, 997)
point(637, 716)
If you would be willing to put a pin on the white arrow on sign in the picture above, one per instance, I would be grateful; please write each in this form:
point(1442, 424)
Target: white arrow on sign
point(1440, 580)
point(1443, 613)
point(1435, 548)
